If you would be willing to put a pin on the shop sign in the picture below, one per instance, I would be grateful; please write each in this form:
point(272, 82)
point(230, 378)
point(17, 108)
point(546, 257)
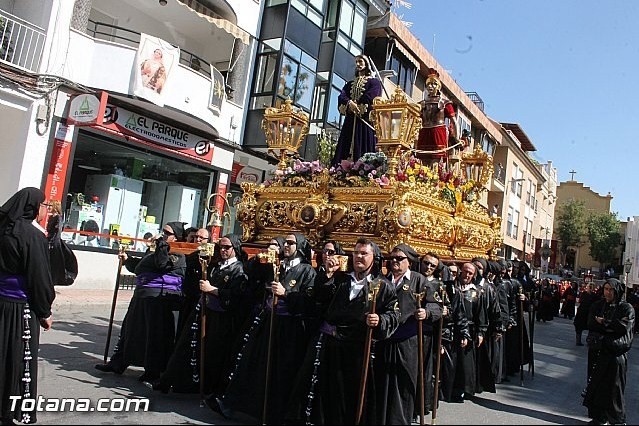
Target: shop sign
point(241, 173)
point(86, 108)
point(146, 128)
point(59, 164)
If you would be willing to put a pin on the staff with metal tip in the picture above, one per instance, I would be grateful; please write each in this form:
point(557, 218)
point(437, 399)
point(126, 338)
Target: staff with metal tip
point(121, 252)
point(206, 252)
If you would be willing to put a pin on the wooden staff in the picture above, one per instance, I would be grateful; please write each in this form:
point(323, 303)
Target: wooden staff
point(270, 257)
point(372, 296)
point(206, 252)
point(521, 338)
point(420, 354)
point(531, 329)
point(438, 357)
point(114, 301)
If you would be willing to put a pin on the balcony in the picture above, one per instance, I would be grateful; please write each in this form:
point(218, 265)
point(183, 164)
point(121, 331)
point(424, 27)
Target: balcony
point(474, 97)
point(498, 182)
point(21, 43)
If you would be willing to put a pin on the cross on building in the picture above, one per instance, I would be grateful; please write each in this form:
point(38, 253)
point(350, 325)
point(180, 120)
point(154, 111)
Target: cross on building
point(572, 174)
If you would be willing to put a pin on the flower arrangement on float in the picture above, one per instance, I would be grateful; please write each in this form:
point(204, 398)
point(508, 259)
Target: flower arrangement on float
point(371, 170)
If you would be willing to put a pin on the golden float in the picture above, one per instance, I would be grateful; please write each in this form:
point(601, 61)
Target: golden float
point(390, 197)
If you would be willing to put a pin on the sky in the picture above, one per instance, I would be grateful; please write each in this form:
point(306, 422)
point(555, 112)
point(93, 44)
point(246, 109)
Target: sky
point(566, 70)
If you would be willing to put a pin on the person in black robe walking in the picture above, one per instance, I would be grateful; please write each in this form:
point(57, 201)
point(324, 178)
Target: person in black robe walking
point(474, 302)
point(327, 390)
point(514, 351)
point(225, 315)
point(610, 322)
point(26, 296)
point(455, 337)
point(294, 290)
point(586, 299)
point(148, 330)
point(499, 285)
point(396, 360)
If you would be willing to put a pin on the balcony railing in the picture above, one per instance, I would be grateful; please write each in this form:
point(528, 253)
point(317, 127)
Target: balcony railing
point(474, 97)
point(21, 43)
point(108, 32)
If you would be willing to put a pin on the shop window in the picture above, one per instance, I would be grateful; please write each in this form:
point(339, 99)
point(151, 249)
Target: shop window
point(125, 190)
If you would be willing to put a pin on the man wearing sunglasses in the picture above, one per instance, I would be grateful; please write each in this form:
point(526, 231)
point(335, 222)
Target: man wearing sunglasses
point(337, 356)
point(396, 358)
point(294, 291)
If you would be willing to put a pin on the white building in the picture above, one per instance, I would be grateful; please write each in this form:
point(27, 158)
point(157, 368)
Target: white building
point(632, 250)
point(79, 122)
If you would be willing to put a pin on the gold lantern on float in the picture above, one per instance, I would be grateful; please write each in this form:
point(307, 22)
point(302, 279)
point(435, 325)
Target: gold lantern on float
point(477, 166)
point(285, 129)
point(397, 122)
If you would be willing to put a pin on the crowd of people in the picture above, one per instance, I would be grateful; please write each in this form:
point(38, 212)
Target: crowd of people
point(286, 341)
point(289, 337)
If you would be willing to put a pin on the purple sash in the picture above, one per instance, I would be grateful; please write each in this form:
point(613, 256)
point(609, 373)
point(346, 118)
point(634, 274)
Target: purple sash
point(213, 304)
point(164, 282)
point(13, 287)
point(280, 309)
point(329, 329)
point(406, 330)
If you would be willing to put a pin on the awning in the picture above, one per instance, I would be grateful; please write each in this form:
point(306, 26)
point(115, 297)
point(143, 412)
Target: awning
point(224, 24)
point(406, 53)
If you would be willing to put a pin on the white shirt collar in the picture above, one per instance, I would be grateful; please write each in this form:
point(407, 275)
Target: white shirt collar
point(39, 227)
point(288, 264)
point(357, 285)
point(228, 263)
point(400, 279)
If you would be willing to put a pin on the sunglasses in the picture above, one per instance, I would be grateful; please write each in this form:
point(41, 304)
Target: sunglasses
point(167, 233)
point(201, 237)
point(453, 271)
point(427, 264)
point(290, 243)
point(397, 258)
point(225, 247)
point(328, 252)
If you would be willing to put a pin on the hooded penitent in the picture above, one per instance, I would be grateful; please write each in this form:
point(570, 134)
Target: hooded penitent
point(178, 230)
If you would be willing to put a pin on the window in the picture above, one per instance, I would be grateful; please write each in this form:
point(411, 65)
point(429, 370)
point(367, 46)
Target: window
point(405, 72)
point(312, 9)
point(529, 192)
point(515, 224)
point(516, 183)
point(488, 145)
point(352, 25)
point(264, 80)
point(297, 76)
point(509, 226)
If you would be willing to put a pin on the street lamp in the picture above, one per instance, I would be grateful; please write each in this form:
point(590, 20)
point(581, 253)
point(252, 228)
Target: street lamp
point(627, 267)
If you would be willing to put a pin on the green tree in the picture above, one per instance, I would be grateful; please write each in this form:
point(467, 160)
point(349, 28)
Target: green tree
point(604, 236)
point(571, 227)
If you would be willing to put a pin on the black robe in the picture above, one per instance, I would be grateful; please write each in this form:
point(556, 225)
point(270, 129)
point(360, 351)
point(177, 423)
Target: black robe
point(327, 390)
point(225, 316)
point(466, 375)
point(24, 253)
point(454, 329)
point(246, 389)
point(498, 339)
point(148, 330)
point(517, 333)
point(396, 358)
point(607, 382)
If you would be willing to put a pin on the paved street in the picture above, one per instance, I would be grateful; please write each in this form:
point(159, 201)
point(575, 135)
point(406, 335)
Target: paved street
point(76, 342)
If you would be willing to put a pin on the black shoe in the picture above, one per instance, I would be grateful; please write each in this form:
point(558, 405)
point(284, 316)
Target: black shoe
point(107, 368)
point(214, 404)
point(147, 377)
point(579, 344)
point(159, 386)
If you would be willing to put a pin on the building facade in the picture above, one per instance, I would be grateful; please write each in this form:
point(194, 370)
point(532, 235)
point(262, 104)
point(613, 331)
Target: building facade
point(578, 258)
